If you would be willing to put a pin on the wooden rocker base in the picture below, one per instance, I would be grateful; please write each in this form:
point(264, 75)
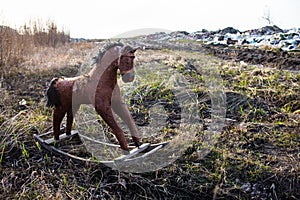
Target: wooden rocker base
point(50, 144)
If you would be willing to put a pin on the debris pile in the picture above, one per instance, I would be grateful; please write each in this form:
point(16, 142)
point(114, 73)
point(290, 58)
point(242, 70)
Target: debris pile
point(271, 36)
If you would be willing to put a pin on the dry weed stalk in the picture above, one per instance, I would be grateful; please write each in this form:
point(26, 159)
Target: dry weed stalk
point(15, 45)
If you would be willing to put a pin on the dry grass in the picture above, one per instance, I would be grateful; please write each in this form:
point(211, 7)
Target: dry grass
point(257, 156)
point(16, 45)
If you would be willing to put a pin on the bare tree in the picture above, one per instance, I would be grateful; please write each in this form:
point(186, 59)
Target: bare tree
point(267, 15)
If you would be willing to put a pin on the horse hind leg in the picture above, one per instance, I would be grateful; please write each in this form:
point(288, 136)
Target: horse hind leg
point(70, 118)
point(58, 115)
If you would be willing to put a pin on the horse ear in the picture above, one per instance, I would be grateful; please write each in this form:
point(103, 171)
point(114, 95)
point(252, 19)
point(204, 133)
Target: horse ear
point(134, 50)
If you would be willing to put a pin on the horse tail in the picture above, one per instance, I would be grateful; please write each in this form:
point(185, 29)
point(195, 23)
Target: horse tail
point(52, 94)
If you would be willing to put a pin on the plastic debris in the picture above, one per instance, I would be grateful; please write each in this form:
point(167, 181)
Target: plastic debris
point(272, 36)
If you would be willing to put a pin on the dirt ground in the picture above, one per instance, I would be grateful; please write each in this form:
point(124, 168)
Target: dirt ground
point(258, 56)
point(257, 156)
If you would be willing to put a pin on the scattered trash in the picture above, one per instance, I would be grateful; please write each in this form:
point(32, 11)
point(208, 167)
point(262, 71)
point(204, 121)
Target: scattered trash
point(272, 36)
point(22, 104)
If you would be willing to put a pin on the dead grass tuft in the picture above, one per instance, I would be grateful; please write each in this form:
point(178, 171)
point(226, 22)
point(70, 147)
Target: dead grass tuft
point(257, 156)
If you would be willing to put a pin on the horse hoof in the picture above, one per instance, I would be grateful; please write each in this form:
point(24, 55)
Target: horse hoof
point(137, 144)
point(56, 143)
point(126, 152)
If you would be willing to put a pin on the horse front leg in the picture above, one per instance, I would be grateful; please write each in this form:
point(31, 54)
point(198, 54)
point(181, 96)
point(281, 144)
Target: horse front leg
point(58, 115)
point(105, 112)
point(121, 109)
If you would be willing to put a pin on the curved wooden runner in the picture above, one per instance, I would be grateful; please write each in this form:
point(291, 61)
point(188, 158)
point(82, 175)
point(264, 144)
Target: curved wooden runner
point(145, 148)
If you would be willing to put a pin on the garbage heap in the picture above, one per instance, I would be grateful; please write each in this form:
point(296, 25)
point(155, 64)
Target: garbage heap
point(268, 36)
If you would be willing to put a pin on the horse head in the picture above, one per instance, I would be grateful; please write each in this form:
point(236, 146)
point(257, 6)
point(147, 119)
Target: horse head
point(126, 63)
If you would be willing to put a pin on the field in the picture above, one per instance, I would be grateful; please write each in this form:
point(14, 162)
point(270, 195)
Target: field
point(256, 155)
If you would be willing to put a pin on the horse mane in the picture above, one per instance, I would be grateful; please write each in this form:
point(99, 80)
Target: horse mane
point(102, 51)
point(87, 66)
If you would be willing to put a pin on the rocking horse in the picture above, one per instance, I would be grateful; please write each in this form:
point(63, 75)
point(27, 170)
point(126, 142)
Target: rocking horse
point(98, 87)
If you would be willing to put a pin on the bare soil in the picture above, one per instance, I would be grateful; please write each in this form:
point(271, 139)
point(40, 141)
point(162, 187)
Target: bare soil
point(267, 57)
point(257, 156)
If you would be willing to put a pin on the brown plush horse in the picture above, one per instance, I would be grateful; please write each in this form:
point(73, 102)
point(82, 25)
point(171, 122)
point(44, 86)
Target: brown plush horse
point(98, 87)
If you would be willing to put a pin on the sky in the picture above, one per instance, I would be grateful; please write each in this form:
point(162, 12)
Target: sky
point(107, 19)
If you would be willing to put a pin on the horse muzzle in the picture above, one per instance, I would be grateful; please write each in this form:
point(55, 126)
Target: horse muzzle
point(128, 77)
